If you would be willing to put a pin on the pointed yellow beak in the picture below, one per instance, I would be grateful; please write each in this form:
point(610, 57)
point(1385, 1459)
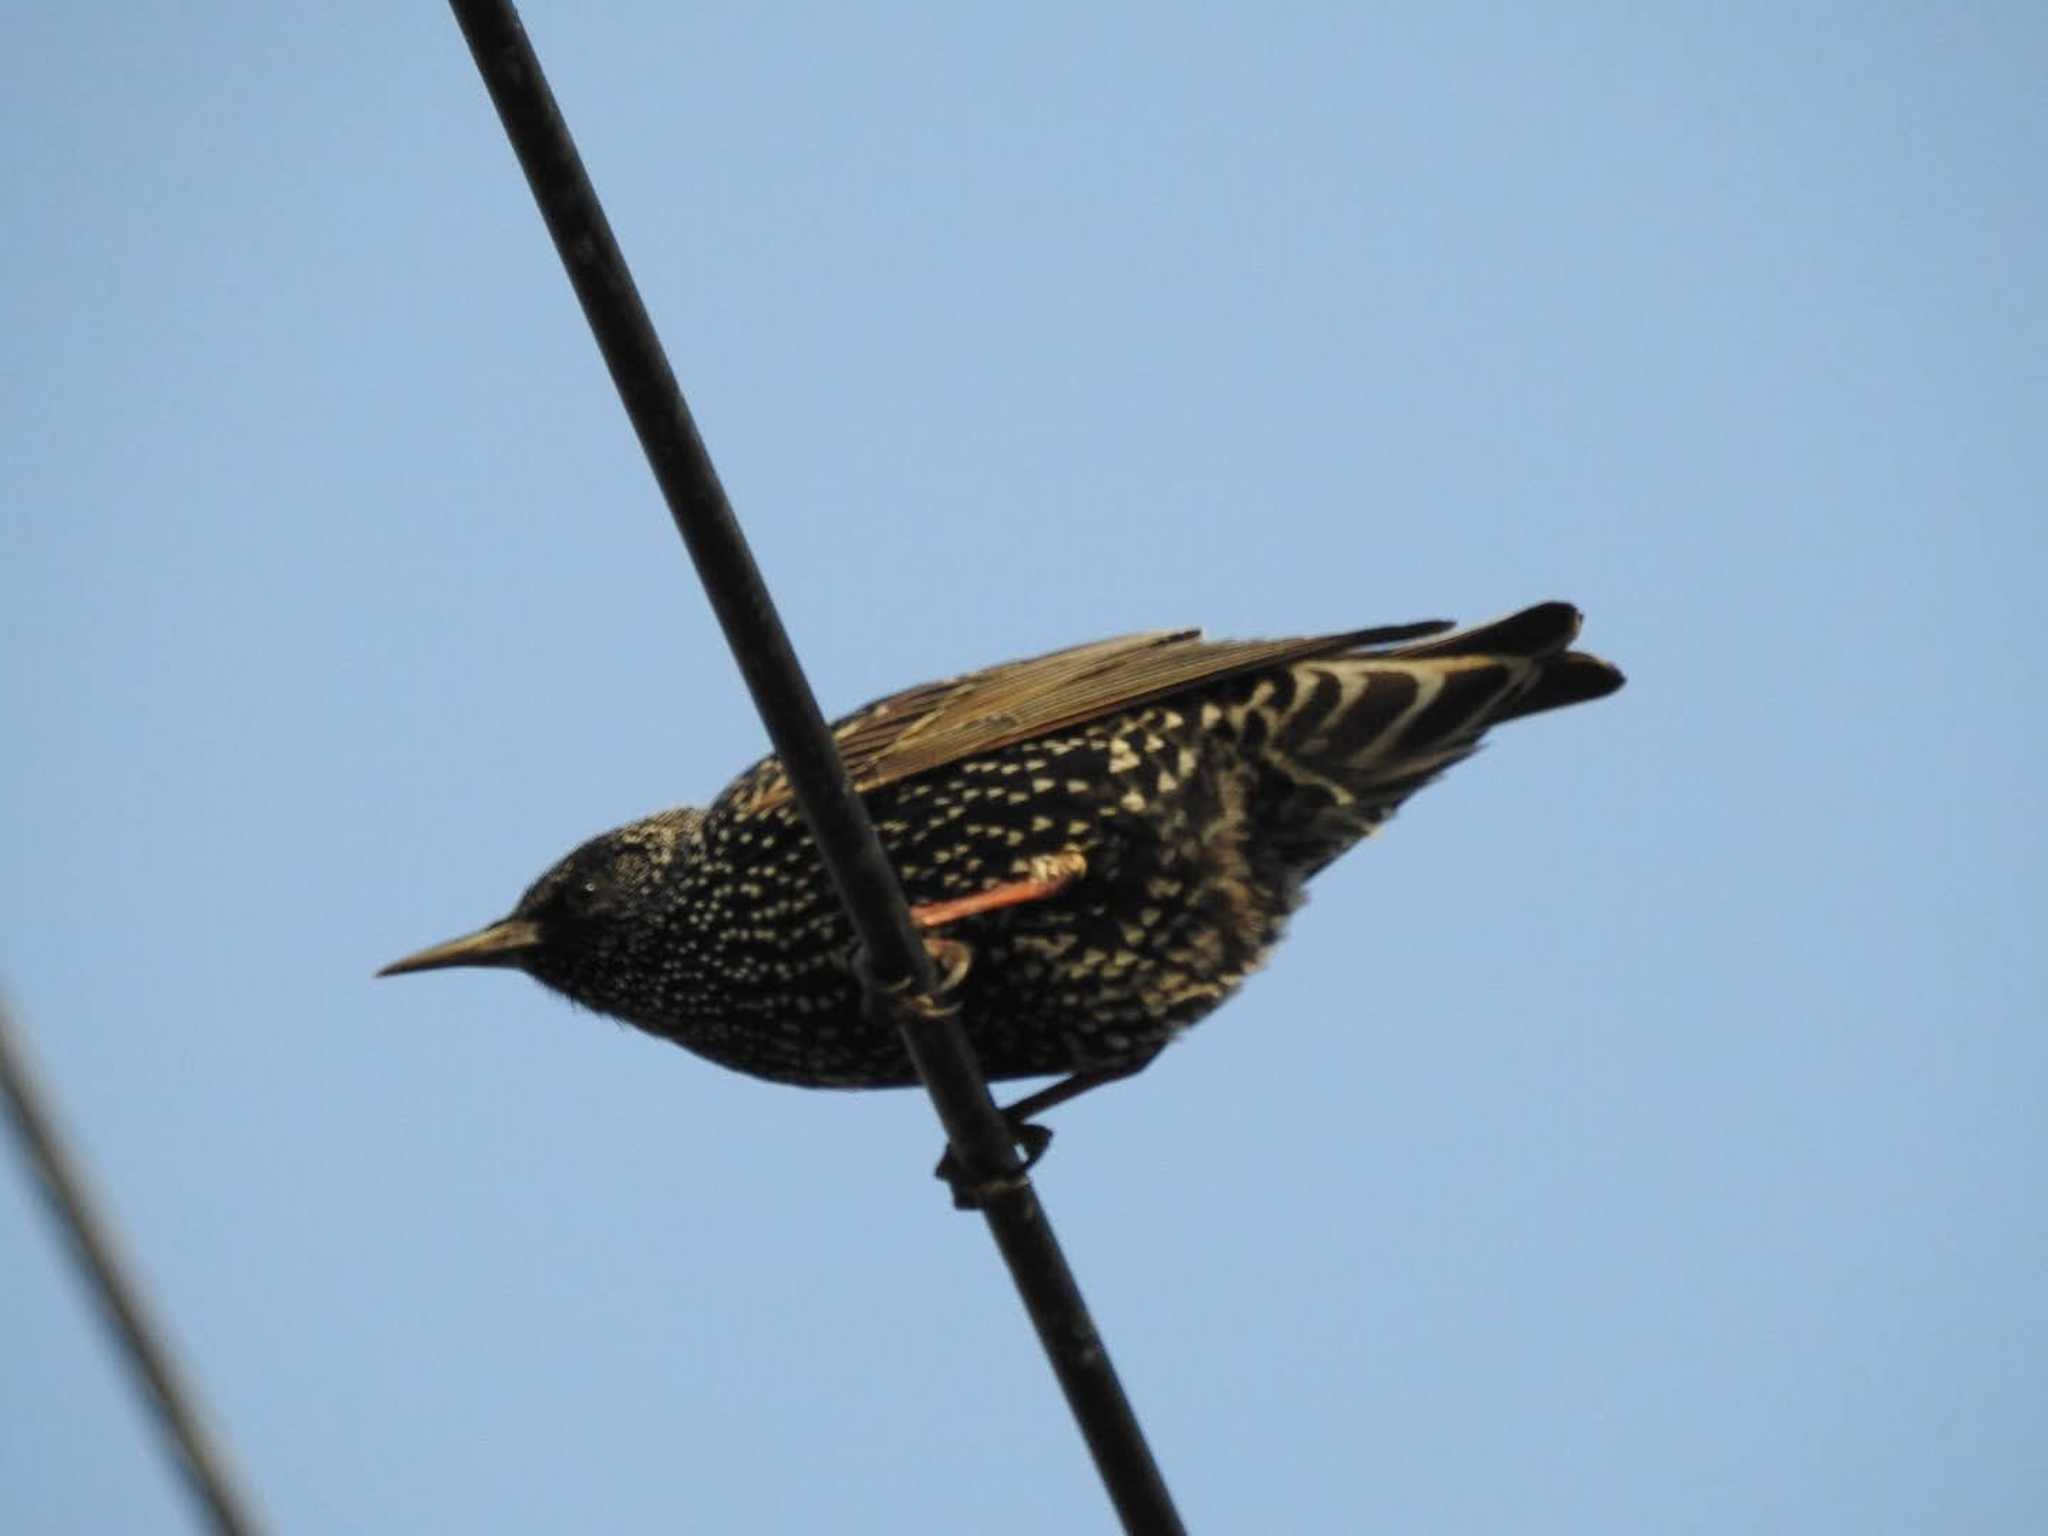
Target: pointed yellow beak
point(500, 944)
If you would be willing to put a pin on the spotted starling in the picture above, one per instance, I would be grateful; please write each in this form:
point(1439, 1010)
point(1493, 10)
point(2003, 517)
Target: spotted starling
point(1101, 844)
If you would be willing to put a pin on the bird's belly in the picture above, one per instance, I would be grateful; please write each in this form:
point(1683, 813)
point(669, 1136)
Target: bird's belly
point(1158, 931)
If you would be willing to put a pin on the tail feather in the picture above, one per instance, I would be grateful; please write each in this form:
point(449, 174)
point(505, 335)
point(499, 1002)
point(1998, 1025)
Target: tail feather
point(1576, 677)
point(1535, 632)
point(1542, 634)
point(1354, 734)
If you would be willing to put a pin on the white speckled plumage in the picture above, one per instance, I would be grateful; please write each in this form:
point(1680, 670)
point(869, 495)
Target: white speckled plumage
point(1201, 783)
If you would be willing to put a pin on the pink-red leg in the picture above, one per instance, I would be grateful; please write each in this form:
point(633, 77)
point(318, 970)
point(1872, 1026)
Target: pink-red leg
point(1050, 874)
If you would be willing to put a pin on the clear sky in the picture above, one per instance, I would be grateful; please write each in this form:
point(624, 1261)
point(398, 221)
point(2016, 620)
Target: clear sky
point(1646, 1133)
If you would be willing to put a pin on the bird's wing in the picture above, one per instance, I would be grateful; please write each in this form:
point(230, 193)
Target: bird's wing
point(927, 727)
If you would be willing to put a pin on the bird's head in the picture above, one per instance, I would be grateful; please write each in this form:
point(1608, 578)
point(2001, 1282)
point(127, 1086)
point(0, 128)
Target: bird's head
point(580, 920)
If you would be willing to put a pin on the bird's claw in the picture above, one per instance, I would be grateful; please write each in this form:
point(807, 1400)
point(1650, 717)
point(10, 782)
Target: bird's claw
point(952, 958)
point(1031, 1138)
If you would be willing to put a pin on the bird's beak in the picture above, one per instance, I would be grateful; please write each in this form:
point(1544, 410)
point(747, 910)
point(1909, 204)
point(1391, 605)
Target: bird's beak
point(500, 944)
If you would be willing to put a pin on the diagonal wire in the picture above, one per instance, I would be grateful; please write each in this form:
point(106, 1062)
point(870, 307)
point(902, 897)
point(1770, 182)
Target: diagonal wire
point(900, 976)
point(205, 1467)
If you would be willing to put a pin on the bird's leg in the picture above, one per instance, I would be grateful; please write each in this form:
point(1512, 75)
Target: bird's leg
point(1032, 1139)
point(1033, 1105)
point(1050, 874)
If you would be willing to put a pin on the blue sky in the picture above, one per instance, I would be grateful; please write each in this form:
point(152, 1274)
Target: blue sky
point(1646, 1132)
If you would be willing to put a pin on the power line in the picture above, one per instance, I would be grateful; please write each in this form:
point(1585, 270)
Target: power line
point(899, 971)
point(150, 1365)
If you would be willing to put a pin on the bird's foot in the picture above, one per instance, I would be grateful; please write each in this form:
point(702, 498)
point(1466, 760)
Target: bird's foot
point(952, 959)
point(1031, 1138)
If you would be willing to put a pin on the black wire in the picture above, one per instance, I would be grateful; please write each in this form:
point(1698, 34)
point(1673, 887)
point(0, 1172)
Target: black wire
point(120, 1297)
point(900, 971)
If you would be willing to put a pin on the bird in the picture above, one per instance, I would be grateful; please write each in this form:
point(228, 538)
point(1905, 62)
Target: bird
point(1099, 844)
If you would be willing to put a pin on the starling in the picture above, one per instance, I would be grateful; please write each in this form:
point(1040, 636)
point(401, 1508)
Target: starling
point(1102, 843)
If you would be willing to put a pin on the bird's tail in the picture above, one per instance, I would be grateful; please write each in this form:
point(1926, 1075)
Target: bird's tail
point(1346, 737)
point(1538, 637)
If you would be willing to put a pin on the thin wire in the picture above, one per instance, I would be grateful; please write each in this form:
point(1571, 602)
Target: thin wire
point(900, 971)
point(199, 1457)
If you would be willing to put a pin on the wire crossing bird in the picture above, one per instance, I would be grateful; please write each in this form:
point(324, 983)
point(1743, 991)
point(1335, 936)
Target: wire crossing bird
point(1102, 843)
